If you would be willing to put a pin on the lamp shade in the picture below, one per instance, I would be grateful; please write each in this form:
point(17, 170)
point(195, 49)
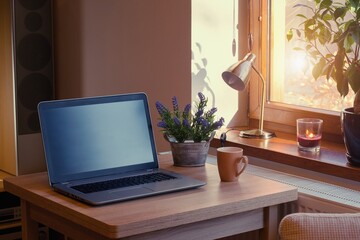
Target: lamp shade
point(237, 75)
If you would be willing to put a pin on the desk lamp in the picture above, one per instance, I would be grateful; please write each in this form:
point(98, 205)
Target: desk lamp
point(237, 77)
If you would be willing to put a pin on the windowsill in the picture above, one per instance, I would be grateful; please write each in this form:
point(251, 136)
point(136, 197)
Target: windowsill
point(283, 149)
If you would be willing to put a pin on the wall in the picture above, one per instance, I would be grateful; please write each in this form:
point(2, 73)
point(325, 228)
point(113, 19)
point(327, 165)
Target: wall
point(112, 46)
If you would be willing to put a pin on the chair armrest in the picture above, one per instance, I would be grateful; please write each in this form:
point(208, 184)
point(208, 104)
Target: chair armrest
point(308, 226)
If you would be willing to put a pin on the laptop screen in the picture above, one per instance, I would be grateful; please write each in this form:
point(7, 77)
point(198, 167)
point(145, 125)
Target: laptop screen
point(90, 137)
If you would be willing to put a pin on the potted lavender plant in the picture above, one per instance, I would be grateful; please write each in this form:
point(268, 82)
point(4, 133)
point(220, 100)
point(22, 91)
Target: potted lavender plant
point(189, 134)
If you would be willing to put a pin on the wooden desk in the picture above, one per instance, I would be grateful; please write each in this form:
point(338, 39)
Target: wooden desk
point(2, 176)
point(213, 211)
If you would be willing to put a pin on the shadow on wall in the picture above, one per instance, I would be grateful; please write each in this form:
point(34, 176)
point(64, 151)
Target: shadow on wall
point(201, 83)
point(200, 79)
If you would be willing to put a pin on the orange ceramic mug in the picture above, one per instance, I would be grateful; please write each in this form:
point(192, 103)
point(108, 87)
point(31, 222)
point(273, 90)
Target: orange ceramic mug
point(231, 163)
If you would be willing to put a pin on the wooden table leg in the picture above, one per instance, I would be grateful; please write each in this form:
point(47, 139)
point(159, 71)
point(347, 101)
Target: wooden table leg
point(29, 227)
point(271, 220)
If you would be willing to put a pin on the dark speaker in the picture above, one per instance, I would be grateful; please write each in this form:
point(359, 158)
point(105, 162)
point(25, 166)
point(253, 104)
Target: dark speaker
point(33, 60)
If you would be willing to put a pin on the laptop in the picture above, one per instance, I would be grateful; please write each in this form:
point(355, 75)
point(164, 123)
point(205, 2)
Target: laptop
point(91, 143)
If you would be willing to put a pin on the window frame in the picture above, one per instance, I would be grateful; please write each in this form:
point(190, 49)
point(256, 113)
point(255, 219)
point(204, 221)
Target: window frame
point(277, 116)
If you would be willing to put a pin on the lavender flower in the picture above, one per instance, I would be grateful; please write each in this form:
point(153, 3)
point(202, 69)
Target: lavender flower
point(187, 109)
point(175, 104)
point(218, 124)
point(199, 113)
point(160, 108)
point(183, 125)
point(186, 123)
point(202, 97)
point(211, 112)
point(204, 123)
point(162, 124)
point(177, 121)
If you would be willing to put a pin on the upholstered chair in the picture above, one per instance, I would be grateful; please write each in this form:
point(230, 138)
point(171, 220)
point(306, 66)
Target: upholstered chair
point(320, 226)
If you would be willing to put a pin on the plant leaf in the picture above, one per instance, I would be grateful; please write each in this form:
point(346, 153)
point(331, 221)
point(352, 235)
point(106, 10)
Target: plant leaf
point(354, 3)
point(309, 29)
point(289, 34)
point(319, 68)
point(301, 15)
point(358, 14)
point(341, 82)
point(314, 54)
point(349, 41)
point(298, 49)
point(343, 88)
point(325, 4)
point(355, 33)
point(353, 73)
point(339, 13)
point(324, 35)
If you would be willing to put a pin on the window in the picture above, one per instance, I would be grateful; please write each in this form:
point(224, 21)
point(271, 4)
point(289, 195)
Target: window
point(291, 79)
point(285, 105)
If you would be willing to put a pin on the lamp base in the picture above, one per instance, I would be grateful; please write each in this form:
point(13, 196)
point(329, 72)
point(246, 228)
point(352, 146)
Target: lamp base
point(256, 133)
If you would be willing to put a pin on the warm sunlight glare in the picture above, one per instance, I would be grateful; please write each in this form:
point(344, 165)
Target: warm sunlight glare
point(298, 62)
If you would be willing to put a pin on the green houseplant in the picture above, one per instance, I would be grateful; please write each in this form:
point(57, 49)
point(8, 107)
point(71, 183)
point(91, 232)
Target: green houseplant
point(331, 34)
point(189, 134)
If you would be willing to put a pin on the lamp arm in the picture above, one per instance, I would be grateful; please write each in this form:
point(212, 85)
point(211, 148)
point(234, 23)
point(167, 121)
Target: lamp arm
point(262, 103)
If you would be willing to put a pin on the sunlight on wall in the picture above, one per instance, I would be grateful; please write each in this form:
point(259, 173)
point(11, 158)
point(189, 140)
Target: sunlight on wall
point(212, 36)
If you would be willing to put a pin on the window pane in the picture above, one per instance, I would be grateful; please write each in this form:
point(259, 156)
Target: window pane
point(291, 79)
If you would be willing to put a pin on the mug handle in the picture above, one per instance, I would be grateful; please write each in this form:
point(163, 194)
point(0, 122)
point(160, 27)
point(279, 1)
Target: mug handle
point(245, 162)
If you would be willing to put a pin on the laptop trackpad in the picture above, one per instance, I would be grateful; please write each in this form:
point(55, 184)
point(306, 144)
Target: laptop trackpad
point(131, 191)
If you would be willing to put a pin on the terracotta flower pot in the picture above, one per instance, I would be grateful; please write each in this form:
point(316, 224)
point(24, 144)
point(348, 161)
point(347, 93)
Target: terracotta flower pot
point(350, 126)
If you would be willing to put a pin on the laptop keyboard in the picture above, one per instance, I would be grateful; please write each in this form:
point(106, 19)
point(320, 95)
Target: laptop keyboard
point(122, 182)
